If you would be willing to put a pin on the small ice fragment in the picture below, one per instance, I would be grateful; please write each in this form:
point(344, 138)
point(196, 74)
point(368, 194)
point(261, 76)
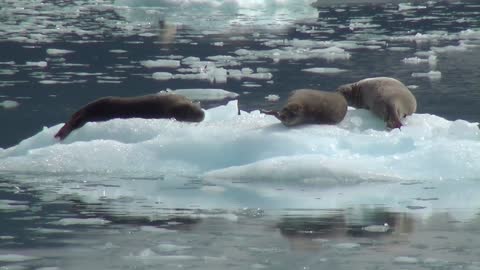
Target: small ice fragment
point(205, 94)
point(117, 51)
point(377, 228)
point(432, 75)
point(9, 104)
point(324, 70)
point(412, 86)
point(80, 221)
point(272, 98)
point(405, 259)
point(346, 245)
point(156, 229)
point(414, 60)
point(58, 52)
point(162, 76)
point(171, 247)
point(160, 63)
point(15, 258)
point(37, 64)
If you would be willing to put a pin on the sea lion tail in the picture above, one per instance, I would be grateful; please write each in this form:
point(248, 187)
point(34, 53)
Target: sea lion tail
point(64, 131)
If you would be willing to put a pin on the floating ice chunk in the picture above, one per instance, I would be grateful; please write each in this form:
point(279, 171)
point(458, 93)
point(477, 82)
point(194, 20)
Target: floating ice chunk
point(50, 231)
point(9, 104)
point(206, 94)
point(251, 84)
point(377, 228)
point(412, 86)
point(324, 70)
point(37, 64)
point(405, 260)
point(150, 255)
point(156, 230)
point(414, 60)
point(346, 245)
point(272, 98)
point(55, 52)
point(162, 76)
point(161, 63)
point(398, 49)
point(357, 150)
point(118, 51)
point(408, 6)
point(16, 258)
point(432, 75)
point(48, 82)
point(80, 221)
point(459, 48)
point(247, 73)
point(470, 34)
point(11, 205)
point(171, 247)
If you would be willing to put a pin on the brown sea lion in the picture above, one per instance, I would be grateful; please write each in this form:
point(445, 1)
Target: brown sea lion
point(149, 106)
point(308, 106)
point(386, 97)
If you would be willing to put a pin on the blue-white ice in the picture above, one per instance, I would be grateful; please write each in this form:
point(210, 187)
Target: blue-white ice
point(255, 147)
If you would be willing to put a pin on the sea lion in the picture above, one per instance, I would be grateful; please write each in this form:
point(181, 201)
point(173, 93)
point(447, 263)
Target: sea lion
point(308, 106)
point(388, 98)
point(162, 105)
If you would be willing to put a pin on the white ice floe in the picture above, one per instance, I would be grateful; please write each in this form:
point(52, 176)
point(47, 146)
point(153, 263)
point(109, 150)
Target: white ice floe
point(432, 75)
point(162, 76)
point(204, 94)
point(58, 52)
point(9, 258)
point(324, 70)
point(9, 104)
point(80, 221)
point(431, 60)
point(256, 147)
point(41, 64)
point(165, 63)
point(408, 6)
point(405, 260)
point(272, 98)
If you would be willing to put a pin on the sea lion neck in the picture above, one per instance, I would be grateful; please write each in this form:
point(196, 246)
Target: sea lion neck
point(356, 96)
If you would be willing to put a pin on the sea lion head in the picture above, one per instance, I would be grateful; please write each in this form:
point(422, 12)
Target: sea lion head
point(292, 114)
point(188, 112)
point(351, 93)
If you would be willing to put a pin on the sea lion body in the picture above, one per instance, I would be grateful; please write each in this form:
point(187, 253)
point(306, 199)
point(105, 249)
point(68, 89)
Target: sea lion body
point(148, 107)
point(386, 97)
point(308, 106)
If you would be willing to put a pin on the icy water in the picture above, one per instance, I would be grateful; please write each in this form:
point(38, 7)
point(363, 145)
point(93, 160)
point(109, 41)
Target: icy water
point(238, 191)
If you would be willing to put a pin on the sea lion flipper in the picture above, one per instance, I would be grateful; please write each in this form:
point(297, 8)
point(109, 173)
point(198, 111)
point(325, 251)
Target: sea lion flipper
point(271, 112)
point(63, 132)
point(75, 122)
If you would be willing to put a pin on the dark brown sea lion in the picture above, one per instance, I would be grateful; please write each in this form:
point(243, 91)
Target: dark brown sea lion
point(148, 106)
point(308, 106)
point(386, 97)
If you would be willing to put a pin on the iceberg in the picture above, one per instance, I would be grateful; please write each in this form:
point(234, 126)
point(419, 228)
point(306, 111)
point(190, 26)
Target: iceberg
point(254, 147)
point(236, 159)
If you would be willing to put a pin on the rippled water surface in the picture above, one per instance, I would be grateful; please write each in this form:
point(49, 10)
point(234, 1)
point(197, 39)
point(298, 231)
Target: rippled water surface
point(238, 191)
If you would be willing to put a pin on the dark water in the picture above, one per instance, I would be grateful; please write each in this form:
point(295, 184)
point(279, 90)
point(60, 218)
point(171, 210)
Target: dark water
point(429, 226)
